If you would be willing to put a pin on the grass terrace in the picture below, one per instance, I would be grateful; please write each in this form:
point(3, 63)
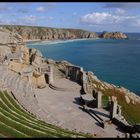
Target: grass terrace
point(15, 122)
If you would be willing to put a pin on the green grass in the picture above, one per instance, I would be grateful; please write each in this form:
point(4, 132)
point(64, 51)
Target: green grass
point(17, 122)
point(2, 136)
point(104, 100)
point(8, 131)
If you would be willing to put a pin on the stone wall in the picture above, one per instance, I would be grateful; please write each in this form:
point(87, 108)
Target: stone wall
point(75, 73)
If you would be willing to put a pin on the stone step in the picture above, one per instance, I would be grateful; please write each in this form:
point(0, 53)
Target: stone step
point(5, 79)
point(25, 89)
point(20, 87)
point(9, 79)
point(3, 75)
point(28, 89)
point(12, 82)
point(15, 85)
point(3, 68)
point(56, 88)
point(60, 88)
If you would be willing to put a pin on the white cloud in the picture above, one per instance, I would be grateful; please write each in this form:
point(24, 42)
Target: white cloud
point(105, 18)
point(28, 20)
point(40, 9)
point(98, 18)
point(120, 11)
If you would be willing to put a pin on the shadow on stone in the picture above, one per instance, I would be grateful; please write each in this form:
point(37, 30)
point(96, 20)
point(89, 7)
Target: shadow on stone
point(85, 110)
point(99, 113)
point(77, 101)
point(120, 130)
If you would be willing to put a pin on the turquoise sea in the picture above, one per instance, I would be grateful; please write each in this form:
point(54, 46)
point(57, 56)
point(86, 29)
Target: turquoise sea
point(114, 61)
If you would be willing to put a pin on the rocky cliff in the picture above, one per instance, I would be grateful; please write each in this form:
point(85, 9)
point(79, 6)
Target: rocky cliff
point(47, 33)
point(113, 35)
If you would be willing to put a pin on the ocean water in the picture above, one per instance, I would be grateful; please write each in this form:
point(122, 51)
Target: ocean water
point(113, 61)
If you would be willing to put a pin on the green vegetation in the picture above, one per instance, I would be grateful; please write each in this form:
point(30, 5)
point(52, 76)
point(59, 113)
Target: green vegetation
point(15, 122)
point(105, 99)
point(129, 111)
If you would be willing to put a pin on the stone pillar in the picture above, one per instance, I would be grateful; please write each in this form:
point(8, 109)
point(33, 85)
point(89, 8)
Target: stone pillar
point(85, 82)
point(113, 108)
point(76, 74)
point(67, 72)
point(51, 75)
point(119, 111)
point(99, 99)
point(81, 69)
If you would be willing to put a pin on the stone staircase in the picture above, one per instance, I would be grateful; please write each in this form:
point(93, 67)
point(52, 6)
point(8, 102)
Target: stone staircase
point(23, 92)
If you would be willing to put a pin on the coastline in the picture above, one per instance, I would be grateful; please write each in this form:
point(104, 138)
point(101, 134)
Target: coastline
point(47, 42)
point(56, 41)
point(30, 40)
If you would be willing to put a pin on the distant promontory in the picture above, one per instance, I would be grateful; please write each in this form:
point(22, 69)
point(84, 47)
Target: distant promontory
point(113, 35)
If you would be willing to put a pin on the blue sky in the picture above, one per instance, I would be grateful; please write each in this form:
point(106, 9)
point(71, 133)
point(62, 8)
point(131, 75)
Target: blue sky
point(92, 16)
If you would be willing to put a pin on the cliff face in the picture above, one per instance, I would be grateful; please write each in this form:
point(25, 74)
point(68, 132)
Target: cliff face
point(45, 33)
point(9, 37)
point(113, 35)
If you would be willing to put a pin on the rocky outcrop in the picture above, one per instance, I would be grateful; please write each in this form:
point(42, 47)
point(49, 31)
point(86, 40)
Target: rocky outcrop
point(127, 99)
point(35, 56)
point(40, 82)
point(9, 42)
point(7, 37)
point(113, 35)
point(3, 51)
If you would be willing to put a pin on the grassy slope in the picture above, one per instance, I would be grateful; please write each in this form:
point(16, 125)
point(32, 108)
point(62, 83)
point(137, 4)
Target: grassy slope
point(16, 122)
point(129, 111)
